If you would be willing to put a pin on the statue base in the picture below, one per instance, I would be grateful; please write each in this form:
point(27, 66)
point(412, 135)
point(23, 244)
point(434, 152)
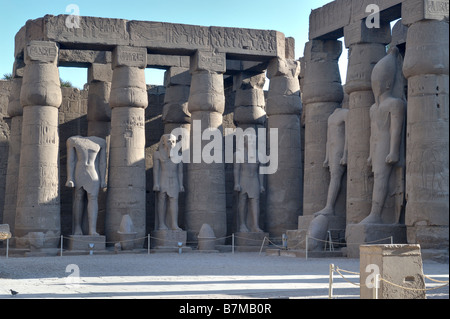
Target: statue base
point(250, 239)
point(372, 234)
point(83, 242)
point(168, 238)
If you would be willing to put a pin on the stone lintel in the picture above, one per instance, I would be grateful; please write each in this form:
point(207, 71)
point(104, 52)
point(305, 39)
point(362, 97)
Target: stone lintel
point(177, 39)
point(416, 10)
point(130, 57)
point(358, 32)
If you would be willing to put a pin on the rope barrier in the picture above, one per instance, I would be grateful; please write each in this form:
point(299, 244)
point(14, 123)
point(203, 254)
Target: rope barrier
point(334, 268)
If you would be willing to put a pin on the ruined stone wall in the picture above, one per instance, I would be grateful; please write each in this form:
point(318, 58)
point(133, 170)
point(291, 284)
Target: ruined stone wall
point(5, 87)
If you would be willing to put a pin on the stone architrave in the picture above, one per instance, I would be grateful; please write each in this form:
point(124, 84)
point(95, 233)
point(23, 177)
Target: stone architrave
point(205, 183)
point(38, 206)
point(15, 111)
point(322, 93)
point(366, 48)
point(426, 67)
point(126, 181)
point(284, 187)
point(86, 174)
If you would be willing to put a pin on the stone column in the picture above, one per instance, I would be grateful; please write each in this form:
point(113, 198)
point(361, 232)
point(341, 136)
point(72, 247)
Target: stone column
point(205, 183)
point(126, 181)
point(99, 111)
point(38, 206)
point(366, 48)
point(426, 66)
point(15, 111)
point(322, 93)
point(175, 112)
point(99, 119)
point(284, 187)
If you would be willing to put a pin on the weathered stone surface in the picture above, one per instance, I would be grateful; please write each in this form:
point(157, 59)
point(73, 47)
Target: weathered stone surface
point(330, 18)
point(358, 32)
point(401, 265)
point(82, 243)
point(168, 238)
point(417, 10)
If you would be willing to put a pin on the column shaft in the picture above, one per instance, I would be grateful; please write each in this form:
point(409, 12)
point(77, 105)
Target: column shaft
point(38, 206)
point(127, 182)
point(205, 183)
point(426, 67)
point(284, 187)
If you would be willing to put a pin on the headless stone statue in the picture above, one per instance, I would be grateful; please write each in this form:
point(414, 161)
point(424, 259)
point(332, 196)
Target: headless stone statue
point(387, 117)
point(86, 173)
point(249, 183)
point(336, 157)
point(336, 161)
point(168, 183)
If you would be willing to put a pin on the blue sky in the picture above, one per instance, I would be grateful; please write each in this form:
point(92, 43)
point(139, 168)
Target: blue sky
point(288, 16)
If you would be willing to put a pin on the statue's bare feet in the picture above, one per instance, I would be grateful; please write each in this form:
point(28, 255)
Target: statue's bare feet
point(372, 219)
point(326, 211)
point(163, 227)
point(243, 229)
point(256, 230)
point(78, 231)
point(94, 233)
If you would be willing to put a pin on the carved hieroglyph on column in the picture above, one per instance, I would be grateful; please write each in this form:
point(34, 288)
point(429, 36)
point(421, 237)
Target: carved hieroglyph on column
point(15, 111)
point(38, 207)
point(426, 67)
point(284, 187)
point(205, 183)
point(126, 182)
point(322, 93)
point(366, 48)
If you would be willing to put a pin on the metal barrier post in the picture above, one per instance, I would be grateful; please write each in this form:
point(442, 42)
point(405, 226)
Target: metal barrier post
point(376, 286)
point(7, 247)
point(61, 252)
point(330, 286)
point(232, 243)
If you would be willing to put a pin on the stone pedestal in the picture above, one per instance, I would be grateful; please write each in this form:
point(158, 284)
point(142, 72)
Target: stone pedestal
point(398, 264)
point(372, 234)
point(168, 238)
point(250, 239)
point(81, 243)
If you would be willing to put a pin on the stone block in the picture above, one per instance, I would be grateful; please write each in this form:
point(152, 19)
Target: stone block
point(41, 51)
point(401, 265)
point(417, 10)
point(177, 76)
point(168, 238)
point(251, 239)
point(328, 21)
point(129, 56)
point(358, 32)
point(83, 57)
point(82, 242)
point(208, 61)
point(365, 234)
point(100, 73)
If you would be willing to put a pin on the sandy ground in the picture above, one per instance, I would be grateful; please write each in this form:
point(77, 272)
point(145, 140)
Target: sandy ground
point(186, 276)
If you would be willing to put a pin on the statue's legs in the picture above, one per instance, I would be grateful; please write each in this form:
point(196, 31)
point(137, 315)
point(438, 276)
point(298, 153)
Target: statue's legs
point(92, 209)
point(242, 212)
point(380, 190)
point(253, 208)
point(161, 211)
point(78, 207)
point(172, 210)
point(333, 191)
